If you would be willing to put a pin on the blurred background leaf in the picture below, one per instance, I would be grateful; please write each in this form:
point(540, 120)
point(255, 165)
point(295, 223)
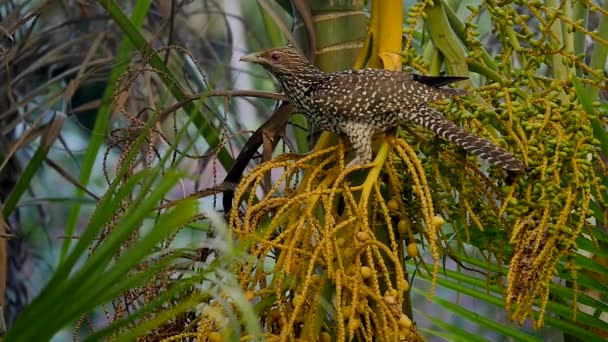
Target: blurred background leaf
point(112, 172)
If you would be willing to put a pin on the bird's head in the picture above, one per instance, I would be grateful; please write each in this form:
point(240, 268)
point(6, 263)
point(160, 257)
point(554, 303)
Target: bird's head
point(280, 61)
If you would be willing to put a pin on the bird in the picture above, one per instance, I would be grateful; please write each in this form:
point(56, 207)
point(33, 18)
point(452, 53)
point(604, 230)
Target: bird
point(361, 103)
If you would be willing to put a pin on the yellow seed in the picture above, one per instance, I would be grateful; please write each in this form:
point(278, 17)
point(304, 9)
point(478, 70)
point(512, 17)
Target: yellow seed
point(340, 241)
point(402, 227)
point(249, 295)
point(392, 205)
point(365, 272)
point(438, 221)
point(390, 292)
point(324, 337)
point(412, 249)
point(389, 299)
point(362, 236)
point(404, 322)
point(214, 337)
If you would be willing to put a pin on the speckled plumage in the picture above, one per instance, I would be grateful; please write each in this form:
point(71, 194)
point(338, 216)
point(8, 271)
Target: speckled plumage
point(359, 103)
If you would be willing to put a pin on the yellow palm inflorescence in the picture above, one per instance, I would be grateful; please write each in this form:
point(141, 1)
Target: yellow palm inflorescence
point(321, 235)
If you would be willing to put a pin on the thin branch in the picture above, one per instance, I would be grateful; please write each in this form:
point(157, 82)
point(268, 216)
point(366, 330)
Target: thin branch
point(222, 93)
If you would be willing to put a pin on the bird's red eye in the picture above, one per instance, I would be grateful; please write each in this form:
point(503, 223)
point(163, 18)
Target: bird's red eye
point(275, 56)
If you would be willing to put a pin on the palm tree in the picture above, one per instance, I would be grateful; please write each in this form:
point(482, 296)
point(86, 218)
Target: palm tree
point(311, 250)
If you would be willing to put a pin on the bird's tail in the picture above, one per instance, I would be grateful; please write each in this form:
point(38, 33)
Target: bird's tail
point(440, 81)
point(433, 120)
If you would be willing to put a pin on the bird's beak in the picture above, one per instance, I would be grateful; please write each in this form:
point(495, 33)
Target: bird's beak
point(252, 57)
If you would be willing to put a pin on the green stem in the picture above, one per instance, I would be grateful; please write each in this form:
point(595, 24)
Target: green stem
point(459, 28)
point(567, 29)
point(272, 29)
point(432, 55)
point(446, 40)
point(493, 75)
point(598, 56)
point(559, 69)
point(580, 12)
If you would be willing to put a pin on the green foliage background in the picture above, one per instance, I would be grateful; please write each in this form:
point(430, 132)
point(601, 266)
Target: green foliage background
point(125, 187)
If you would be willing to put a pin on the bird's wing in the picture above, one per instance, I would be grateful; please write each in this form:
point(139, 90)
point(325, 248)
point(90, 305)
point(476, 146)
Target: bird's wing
point(375, 91)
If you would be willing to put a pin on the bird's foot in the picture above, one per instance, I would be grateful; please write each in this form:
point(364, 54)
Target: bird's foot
point(352, 163)
point(356, 162)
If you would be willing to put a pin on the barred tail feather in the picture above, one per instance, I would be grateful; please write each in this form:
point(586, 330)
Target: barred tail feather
point(433, 120)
